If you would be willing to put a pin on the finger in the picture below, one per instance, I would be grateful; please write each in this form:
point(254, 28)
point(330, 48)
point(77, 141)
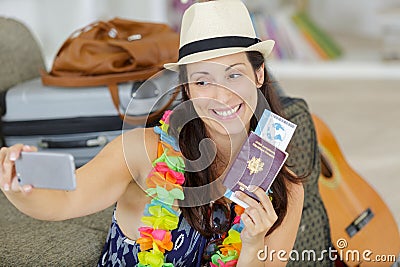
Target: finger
point(250, 201)
point(255, 216)
point(246, 198)
point(14, 152)
point(248, 222)
point(264, 200)
point(27, 148)
point(15, 186)
point(3, 153)
point(9, 164)
point(265, 208)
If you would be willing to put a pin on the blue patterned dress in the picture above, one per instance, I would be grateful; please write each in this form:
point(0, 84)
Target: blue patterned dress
point(121, 251)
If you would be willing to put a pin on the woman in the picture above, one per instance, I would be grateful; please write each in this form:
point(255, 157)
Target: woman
point(225, 81)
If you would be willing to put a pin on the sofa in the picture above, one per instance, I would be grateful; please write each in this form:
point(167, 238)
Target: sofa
point(29, 242)
point(78, 242)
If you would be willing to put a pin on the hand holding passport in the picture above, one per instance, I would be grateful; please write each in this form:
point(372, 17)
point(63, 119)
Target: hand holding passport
point(260, 159)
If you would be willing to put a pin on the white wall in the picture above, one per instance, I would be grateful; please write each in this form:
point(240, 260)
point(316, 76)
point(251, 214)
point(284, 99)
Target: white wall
point(359, 17)
point(52, 21)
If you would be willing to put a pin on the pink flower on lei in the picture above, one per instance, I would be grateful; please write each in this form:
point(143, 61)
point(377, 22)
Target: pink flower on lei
point(230, 263)
point(165, 117)
point(169, 175)
point(148, 235)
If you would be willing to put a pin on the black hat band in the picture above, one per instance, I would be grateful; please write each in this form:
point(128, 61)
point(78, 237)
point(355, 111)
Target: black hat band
point(216, 43)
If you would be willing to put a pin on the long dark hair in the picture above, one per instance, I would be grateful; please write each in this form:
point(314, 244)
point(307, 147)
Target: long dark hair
point(193, 131)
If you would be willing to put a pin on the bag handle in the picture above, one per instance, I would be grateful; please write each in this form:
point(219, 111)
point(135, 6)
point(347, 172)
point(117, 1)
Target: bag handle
point(100, 24)
point(78, 143)
point(139, 120)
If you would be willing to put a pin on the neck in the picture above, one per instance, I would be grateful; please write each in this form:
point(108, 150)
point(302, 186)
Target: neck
point(228, 146)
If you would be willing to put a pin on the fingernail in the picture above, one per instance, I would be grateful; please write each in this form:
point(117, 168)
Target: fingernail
point(13, 156)
point(27, 188)
point(6, 187)
point(26, 147)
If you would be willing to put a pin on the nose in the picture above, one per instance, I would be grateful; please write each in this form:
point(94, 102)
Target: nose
point(223, 93)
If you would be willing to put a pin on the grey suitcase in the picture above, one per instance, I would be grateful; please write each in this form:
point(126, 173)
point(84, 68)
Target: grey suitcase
point(79, 121)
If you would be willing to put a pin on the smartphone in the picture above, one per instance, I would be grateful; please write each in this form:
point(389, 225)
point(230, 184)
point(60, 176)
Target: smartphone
point(46, 170)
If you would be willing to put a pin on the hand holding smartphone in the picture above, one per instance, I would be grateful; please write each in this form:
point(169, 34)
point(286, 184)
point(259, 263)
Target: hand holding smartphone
point(46, 170)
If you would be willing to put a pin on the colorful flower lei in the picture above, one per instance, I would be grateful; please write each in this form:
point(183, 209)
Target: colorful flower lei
point(165, 184)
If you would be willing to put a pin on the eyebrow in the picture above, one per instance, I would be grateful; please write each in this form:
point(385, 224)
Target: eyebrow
point(199, 72)
point(233, 65)
point(205, 73)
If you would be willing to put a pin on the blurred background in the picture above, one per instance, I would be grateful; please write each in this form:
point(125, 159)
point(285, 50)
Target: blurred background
point(342, 57)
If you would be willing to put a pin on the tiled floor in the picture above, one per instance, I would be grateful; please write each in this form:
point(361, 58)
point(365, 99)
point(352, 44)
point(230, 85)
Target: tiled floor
point(364, 117)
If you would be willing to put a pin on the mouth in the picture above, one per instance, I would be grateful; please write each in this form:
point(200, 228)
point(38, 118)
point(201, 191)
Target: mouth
point(228, 113)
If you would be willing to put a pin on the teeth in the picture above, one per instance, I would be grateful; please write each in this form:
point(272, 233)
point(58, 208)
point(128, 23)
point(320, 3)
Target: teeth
point(229, 112)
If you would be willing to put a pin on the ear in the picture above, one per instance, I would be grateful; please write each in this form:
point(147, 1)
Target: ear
point(260, 76)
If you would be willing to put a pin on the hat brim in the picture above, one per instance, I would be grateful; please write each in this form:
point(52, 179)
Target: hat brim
point(264, 47)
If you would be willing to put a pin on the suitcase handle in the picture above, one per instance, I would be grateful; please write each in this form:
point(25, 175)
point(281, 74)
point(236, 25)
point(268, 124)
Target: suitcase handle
point(88, 142)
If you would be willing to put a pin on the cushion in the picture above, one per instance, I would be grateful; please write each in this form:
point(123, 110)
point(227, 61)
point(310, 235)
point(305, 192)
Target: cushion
point(30, 242)
point(314, 231)
point(20, 55)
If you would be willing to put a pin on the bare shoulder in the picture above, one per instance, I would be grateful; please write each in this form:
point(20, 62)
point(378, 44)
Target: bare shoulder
point(139, 137)
point(113, 170)
point(295, 199)
point(139, 147)
point(126, 155)
point(296, 191)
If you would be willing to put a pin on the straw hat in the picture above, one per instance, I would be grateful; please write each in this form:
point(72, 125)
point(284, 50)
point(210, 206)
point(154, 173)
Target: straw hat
point(217, 28)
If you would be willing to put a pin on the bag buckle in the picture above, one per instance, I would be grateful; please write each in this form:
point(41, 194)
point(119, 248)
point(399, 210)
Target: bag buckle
point(134, 37)
point(112, 33)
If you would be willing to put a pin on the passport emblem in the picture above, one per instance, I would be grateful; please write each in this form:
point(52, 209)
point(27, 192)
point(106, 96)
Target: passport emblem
point(255, 165)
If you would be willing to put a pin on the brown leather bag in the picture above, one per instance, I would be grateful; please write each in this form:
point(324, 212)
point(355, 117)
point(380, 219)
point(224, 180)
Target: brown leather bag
point(112, 52)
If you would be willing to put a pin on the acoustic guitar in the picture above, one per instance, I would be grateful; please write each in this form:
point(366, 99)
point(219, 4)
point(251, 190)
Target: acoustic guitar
point(363, 230)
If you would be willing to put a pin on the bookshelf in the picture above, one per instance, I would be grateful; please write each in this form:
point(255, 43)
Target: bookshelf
point(335, 70)
point(361, 60)
point(359, 34)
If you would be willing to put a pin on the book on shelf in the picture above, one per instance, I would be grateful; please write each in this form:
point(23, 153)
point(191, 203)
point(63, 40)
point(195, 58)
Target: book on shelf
point(301, 48)
point(321, 38)
point(296, 35)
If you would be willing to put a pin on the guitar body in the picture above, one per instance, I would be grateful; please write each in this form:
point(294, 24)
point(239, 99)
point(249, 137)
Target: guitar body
point(359, 219)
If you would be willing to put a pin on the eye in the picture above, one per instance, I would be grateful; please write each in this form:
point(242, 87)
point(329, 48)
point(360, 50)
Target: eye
point(202, 83)
point(234, 75)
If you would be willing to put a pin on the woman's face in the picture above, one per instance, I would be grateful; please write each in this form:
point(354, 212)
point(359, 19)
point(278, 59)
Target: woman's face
point(224, 92)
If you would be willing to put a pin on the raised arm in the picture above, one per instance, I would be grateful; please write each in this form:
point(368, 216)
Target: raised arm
point(100, 183)
point(273, 250)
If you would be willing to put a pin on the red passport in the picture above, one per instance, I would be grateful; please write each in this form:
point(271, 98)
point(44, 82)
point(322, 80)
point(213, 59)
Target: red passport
point(257, 163)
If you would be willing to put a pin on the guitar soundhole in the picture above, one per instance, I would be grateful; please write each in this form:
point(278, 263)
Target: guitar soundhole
point(326, 168)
